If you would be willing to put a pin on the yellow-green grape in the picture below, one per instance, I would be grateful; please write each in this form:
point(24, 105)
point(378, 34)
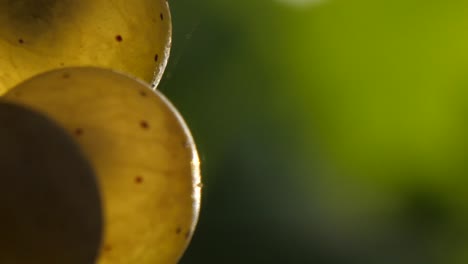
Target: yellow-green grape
point(49, 200)
point(41, 35)
point(143, 153)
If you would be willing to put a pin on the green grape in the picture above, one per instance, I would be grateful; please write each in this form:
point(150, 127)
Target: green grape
point(41, 35)
point(142, 151)
point(49, 199)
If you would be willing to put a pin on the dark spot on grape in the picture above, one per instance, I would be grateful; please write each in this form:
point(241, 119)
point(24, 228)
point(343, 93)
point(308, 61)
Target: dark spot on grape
point(138, 179)
point(161, 16)
point(143, 93)
point(156, 57)
point(66, 76)
point(20, 41)
point(79, 131)
point(144, 124)
point(62, 64)
point(107, 248)
point(153, 85)
point(118, 38)
point(178, 230)
point(187, 235)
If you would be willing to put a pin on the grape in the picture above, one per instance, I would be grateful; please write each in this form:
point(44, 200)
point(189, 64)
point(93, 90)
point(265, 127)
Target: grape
point(142, 151)
point(41, 35)
point(50, 204)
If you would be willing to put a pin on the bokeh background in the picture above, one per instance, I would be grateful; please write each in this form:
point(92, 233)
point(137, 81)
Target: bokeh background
point(329, 131)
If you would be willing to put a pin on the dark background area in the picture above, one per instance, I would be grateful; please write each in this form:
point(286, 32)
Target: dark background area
point(329, 132)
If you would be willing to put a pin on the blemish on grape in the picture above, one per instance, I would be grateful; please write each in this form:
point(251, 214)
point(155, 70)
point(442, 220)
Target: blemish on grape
point(161, 16)
point(144, 124)
point(66, 75)
point(107, 248)
point(187, 235)
point(21, 41)
point(138, 179)
point(143, 93)
point(178, 230)
point(79, 132)
point(118, 38)
point(156, 57)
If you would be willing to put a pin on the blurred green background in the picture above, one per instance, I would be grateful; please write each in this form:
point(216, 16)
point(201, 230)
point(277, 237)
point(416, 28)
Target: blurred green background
point(330, 131)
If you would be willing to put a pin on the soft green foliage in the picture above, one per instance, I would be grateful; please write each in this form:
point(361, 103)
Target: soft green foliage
point(375, 94)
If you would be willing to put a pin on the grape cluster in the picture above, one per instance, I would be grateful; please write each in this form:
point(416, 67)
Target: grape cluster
point(97, 166)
